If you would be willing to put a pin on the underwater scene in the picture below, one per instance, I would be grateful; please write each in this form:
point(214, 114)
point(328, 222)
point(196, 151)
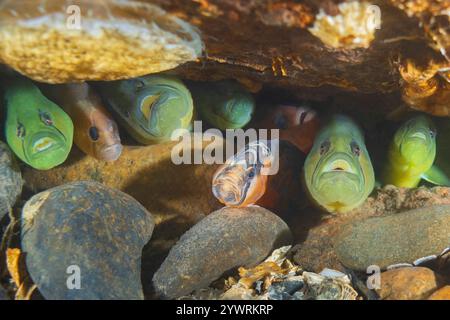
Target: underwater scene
point(224, 150)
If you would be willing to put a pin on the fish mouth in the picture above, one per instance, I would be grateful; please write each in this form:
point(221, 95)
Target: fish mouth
point(111, 152)
point(339, 165)
point(43, 143)
point(419, 135)
point(337, 168)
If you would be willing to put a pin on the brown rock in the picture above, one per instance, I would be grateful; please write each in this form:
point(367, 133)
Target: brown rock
point(408, 284)
point(441, 294)
point(226, 239)
point(114, 40)
point(315, 233)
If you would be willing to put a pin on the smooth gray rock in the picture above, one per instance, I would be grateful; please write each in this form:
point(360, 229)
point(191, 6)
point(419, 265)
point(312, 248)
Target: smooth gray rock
point(10, 180)
point(397, 238)
point(85, 227)
point(225, 239)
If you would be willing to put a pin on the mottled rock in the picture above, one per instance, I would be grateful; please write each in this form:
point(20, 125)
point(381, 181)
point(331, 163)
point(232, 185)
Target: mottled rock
point(55, 42)
point(441, 294)
point(226, 239)
point(408, 284)
point(10, 180)
point(392, 239)
point(85, 229)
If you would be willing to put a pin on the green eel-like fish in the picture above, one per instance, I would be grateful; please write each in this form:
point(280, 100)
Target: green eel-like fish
point(338, 172)
point(223, 104)
point(38, 131)
point(411, 155)
point(150, 108)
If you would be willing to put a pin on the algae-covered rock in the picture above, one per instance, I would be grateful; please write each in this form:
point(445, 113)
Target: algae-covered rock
point(10, 180)
point(83, 240)
point(225, 239)
point(393, 239)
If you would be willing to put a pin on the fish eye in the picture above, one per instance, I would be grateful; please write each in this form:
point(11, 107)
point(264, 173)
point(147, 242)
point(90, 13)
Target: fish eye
point(93, 133)
point(251, 174)
point(433, 133)
point(325, 147)
point(45, 118)
point(139, 84)
point(355, 148)
point(20, 131)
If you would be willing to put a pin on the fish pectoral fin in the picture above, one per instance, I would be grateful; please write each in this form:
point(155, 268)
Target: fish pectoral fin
point(378, 184)
point(436, 176)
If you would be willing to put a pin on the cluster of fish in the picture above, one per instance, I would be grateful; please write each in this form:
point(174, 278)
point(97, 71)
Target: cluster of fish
point(337, 174)
point(43, 121)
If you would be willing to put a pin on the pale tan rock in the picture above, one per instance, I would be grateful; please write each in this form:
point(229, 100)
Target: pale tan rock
point(113, 40)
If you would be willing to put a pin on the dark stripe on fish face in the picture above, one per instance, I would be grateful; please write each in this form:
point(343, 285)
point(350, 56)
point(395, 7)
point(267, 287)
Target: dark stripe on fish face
point(151, 105)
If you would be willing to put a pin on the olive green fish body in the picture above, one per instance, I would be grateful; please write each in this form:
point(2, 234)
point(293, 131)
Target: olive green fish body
point(338, 172)
point(224, 104)
point(411, 153)
point(38, 131)
point(150, 108)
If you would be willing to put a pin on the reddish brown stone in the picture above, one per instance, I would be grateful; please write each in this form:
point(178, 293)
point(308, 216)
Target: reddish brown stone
point(441, 294)
point(408, 284)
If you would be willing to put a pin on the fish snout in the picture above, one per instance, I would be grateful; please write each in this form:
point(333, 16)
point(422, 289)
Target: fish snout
point(339, 162)
point(111, 152)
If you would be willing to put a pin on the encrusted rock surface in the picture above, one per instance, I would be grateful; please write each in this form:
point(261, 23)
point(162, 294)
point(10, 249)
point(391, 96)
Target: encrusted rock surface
point(378, 49)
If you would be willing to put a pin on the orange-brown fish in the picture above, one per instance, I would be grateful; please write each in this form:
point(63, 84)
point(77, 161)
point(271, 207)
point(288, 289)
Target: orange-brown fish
point(241, 181)
point(96, 133)
point(298, 125)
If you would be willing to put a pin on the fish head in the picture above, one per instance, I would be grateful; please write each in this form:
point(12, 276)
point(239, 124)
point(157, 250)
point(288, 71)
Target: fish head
point(162, 105)
point(338, 171)
point(235, 108)
point(103, 134)
point(415, 142)
point(241, 181)
point(43, 135)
